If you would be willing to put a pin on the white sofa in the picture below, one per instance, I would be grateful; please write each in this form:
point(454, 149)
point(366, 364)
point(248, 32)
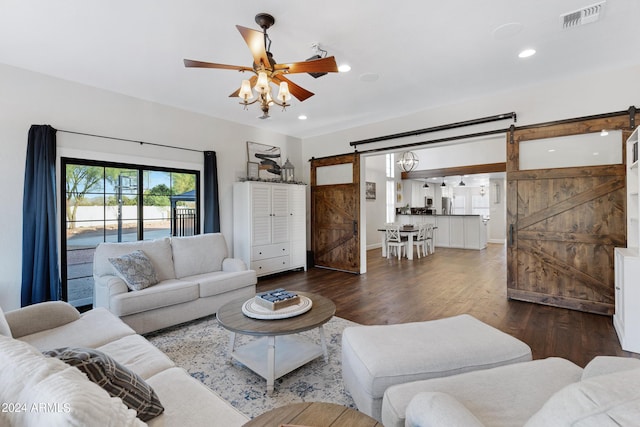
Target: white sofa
point(37, 390)
point(196, 276)
point(546, 392)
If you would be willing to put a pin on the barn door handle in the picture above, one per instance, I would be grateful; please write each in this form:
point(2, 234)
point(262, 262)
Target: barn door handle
point(511, 235)
point(355, 227)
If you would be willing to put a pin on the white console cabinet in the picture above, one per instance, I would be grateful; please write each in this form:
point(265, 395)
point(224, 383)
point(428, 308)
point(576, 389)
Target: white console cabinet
point(269, 226)
point(626, 319)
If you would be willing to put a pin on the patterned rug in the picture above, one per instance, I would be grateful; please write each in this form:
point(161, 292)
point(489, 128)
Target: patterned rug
point(201, 347)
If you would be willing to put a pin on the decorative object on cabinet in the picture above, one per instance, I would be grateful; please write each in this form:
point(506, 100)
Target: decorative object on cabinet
point(268, 158)
point(269, 227)
point(408, 161)
point(253, 171)
point(288, 172)
point(371, 191)
point(626, 318)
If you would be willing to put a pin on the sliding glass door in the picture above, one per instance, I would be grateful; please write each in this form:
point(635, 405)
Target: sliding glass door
point(107, 202)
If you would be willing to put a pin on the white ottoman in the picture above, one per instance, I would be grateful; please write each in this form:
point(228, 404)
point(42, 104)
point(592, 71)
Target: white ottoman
point(377, 357)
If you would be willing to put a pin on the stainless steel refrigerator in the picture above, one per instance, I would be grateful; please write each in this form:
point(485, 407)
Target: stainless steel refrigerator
point(447, 206)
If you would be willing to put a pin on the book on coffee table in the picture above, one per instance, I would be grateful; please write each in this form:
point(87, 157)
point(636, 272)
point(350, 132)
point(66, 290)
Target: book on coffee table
point(277, 299)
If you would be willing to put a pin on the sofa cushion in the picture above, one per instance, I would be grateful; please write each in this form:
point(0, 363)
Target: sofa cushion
point(53, 393)
point(4, 326)
point(114, 378)
point(158, 251)
point(220, 282)
point(92, 329)
point(164, 294)
point(600, 401)
point(139, 355)
point(503, 396)
point(199, 254)
point(188, 402)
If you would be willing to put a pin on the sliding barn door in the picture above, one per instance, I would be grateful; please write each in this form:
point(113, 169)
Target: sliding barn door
point(335, 212)
point(564, 222)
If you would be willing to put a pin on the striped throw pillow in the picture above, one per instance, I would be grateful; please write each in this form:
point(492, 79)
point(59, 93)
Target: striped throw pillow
point(114, 378)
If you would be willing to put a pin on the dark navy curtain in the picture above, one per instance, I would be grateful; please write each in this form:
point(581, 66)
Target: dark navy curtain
point(40, 274)
point(211, 205)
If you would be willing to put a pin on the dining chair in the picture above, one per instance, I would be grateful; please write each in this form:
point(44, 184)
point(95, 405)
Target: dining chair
point(420, 239)
point(428, 240)
point(394, 240)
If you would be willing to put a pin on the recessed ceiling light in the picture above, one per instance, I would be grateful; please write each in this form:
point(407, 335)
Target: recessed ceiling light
point(302, 117)
point(551, 150)
point(604, 132)
point(344, 68)
point(506, 31)
point(527, 53)
point(368, 77)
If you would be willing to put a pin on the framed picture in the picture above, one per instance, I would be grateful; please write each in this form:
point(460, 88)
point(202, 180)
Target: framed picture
point(268, 159)
point(370, 192)
point(253, 172)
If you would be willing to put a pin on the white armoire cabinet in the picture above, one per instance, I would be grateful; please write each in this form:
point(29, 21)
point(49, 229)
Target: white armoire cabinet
point(269, 226)
point(626, 319)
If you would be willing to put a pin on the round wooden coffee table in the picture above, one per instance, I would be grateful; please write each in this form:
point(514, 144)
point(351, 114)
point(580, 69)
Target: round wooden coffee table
point(260, 355)
point(316, 414)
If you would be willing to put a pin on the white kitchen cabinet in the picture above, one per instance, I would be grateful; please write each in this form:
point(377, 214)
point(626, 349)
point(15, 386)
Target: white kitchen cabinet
point(269, 226)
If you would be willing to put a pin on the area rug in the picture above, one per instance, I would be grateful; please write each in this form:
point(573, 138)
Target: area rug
point(201, 347)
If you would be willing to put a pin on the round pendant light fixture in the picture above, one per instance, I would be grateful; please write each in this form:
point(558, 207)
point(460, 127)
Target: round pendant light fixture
point(408, 161)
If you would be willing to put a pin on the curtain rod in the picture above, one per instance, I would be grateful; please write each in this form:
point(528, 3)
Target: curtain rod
point(456, 125)
point(130, 140)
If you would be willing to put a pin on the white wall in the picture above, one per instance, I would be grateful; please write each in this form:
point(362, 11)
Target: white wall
point(584, 95)
point(497, 230)
point(376, 212)
point(30, 98)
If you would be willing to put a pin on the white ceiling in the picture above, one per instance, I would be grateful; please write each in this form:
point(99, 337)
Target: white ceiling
point(426, 53)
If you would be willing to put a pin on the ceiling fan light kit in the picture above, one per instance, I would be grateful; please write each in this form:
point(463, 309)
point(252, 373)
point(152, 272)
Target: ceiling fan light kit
point(267, 71)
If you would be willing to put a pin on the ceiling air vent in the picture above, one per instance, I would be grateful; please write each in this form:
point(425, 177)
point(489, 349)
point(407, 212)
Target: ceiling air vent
point(582, 16)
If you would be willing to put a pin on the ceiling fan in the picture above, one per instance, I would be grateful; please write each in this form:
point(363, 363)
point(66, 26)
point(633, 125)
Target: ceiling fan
point(266, 70)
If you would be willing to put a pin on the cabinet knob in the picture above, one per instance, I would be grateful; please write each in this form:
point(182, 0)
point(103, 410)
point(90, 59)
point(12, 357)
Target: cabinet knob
point(259, 253)
point(617, 288)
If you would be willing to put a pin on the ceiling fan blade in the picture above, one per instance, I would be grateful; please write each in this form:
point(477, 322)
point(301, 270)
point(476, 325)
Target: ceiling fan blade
point(255, 41)
point(252, 82)
point(189, 63)
point(299, 92)
point(322, 65)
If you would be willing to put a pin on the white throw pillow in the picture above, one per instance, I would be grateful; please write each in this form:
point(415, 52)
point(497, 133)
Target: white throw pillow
point(46, 391)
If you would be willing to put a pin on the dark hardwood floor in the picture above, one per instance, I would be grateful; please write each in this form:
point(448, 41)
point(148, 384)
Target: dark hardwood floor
point(451, 282)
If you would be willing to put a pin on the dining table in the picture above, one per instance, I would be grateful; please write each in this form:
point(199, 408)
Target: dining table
point(410, 232)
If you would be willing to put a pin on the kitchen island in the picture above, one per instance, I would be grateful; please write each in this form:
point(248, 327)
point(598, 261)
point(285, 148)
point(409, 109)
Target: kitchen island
point(454, 231)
